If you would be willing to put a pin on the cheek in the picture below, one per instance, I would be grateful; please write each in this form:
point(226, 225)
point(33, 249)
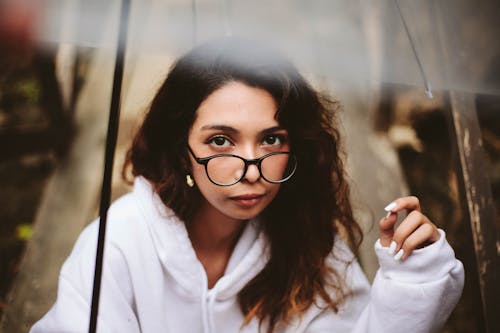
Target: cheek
point(200, 176)
point(209, 190)
point(273, 191)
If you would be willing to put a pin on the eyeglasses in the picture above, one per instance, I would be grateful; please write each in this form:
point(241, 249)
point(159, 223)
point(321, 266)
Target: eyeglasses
point(228, 169)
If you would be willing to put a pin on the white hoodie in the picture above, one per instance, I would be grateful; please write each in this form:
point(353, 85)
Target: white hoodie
point(153, 282)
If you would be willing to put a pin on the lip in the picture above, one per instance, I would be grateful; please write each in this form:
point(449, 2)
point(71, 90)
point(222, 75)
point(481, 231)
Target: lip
point(247, 200)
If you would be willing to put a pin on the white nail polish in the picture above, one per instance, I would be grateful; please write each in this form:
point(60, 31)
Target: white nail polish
point(399, 255)
point(388, 214)
point(390, 207)
point(392, 248)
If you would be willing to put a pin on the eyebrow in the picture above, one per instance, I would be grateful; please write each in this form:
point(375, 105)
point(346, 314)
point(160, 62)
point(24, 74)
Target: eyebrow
point(272, 130)
point(233, 130)
point(223, 128)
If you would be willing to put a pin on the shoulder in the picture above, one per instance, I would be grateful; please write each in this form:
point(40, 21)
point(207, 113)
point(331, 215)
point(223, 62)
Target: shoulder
point(124, 218)
point(137, 215)
point(122, 215)
point(126, 229)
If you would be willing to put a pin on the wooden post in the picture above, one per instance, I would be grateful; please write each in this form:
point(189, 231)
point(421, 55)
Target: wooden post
point(480, 205)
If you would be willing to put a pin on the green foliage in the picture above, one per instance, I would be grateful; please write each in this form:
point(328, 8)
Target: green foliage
point(29, 89)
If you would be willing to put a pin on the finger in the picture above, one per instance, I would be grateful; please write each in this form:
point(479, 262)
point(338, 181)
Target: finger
point(409, 204)
point(422, 235)
point(386, 229)
point(409, 224)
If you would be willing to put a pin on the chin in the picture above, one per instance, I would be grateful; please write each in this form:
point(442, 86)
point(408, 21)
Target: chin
point(239, 214)
point(243, 217)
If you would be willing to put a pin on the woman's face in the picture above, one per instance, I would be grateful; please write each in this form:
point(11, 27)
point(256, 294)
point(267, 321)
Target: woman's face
point(240, 120)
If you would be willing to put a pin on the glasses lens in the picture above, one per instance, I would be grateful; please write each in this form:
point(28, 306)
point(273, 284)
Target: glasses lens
point(225, 170)
point(278, 167)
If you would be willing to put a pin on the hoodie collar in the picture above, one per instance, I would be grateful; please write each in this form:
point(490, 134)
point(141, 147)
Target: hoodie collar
point(177, 256)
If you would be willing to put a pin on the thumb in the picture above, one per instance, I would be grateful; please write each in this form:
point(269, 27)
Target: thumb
point(386, 228)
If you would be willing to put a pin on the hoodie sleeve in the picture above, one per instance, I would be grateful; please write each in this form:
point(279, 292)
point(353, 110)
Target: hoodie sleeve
point(415, 295)
point(71, 312)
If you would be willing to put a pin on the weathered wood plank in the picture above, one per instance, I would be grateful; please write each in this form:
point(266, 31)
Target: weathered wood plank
point(481, 209)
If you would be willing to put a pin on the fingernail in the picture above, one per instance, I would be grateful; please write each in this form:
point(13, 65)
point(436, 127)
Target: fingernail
point(399, 255)
point(392, 248)
point(388, 214)
point(390, 207)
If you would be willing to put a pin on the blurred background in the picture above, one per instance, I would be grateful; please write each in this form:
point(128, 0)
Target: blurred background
point(419, 82)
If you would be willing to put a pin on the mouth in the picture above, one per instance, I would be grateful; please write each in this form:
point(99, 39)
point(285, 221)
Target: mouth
point(247, 200)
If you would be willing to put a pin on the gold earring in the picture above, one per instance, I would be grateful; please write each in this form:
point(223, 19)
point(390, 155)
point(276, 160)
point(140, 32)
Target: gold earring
point(189, 181)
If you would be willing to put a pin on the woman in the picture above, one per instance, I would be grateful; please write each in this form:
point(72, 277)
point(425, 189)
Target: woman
point(240, 219)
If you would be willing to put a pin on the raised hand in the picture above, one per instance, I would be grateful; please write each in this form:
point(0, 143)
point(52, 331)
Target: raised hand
point(415, 231)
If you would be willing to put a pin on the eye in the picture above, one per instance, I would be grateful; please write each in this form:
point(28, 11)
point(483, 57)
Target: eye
point(219, 141)
point(274, 140)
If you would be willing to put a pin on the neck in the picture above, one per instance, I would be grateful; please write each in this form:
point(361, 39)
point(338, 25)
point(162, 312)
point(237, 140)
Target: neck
point(214, 237)
point(212, 232)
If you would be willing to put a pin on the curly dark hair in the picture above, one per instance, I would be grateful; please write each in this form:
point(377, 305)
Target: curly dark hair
point(308, 212)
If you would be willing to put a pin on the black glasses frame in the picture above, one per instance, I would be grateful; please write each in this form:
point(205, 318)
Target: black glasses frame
point(257, 161)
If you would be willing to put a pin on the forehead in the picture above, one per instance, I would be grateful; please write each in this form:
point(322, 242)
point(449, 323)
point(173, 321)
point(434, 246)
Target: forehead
point(238, 105)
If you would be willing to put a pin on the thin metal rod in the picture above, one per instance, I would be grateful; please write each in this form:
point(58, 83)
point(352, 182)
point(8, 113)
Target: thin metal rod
point(227, 18)
point(111, 139)
point(195, 22)
point(428, 90)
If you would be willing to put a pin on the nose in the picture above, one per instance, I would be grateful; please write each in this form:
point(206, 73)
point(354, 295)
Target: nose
point(253, 174)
